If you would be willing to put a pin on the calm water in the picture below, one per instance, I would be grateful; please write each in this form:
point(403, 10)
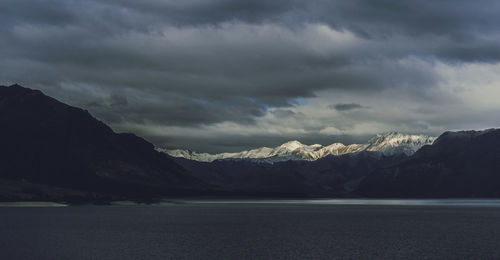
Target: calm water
point(271, 229)
point(367, 202)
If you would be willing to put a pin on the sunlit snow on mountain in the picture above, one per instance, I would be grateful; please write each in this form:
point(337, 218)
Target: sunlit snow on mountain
point(388, 144)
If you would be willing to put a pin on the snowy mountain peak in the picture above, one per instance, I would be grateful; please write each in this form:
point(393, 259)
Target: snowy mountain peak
point(292, 145)
point(388, 144)
point(393, 142)
point(394, 138)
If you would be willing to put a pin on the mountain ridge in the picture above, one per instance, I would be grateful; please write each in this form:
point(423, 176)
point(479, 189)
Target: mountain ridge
point(389, 144)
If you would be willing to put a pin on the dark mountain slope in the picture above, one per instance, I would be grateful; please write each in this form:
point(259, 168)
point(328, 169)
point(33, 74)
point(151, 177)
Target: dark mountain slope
point(458, 164)
point(327, 177)
point(45, 141)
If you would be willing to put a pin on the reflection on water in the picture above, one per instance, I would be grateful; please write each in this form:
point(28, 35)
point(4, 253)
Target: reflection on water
point(375, 202)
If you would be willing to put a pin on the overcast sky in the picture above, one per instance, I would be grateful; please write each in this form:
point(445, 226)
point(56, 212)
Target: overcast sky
point(220, 75)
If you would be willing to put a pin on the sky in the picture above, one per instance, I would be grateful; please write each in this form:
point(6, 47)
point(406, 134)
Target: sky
point(220, 75)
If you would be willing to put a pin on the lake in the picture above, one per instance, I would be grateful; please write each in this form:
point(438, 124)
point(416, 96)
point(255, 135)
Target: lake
point(256, 229)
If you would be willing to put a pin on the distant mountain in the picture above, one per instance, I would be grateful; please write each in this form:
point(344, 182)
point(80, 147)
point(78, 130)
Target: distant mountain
point(457, 164)
point(47, 147)
point(331, 176)
point(387, 144)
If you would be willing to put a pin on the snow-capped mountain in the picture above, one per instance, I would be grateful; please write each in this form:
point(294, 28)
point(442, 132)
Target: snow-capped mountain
point(388, 144)
point(393, 143)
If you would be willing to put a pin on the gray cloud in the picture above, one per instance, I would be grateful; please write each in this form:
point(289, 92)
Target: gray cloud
point(346, 107)
point(205, 64)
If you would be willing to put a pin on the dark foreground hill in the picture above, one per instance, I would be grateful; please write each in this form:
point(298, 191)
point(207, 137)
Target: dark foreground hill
point(458, 164)
point(49, 150)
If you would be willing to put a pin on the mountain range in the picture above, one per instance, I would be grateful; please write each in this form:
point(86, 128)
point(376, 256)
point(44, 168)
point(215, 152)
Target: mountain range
point(389, 144)
point(55, 152)
point(331, 176)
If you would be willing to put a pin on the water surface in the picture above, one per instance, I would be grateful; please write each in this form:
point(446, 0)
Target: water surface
point(367, 202)
point(291, 229)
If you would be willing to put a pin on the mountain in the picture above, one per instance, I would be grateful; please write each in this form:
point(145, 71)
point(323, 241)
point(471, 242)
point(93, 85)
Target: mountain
point(457, 164)
point(47, 147)
point(388, 144)
point(331, 176)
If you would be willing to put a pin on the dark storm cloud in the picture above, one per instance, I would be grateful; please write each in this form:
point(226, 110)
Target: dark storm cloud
point(176, 110)
point(197, 63)
point(346, 107)
point(382, 18)
point(214, 11)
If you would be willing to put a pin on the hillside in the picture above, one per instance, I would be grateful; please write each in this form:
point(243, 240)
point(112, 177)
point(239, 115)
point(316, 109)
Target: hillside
point(458, 164)
point(47, 145)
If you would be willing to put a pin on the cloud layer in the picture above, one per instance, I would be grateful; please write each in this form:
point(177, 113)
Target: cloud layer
point(220, 75)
